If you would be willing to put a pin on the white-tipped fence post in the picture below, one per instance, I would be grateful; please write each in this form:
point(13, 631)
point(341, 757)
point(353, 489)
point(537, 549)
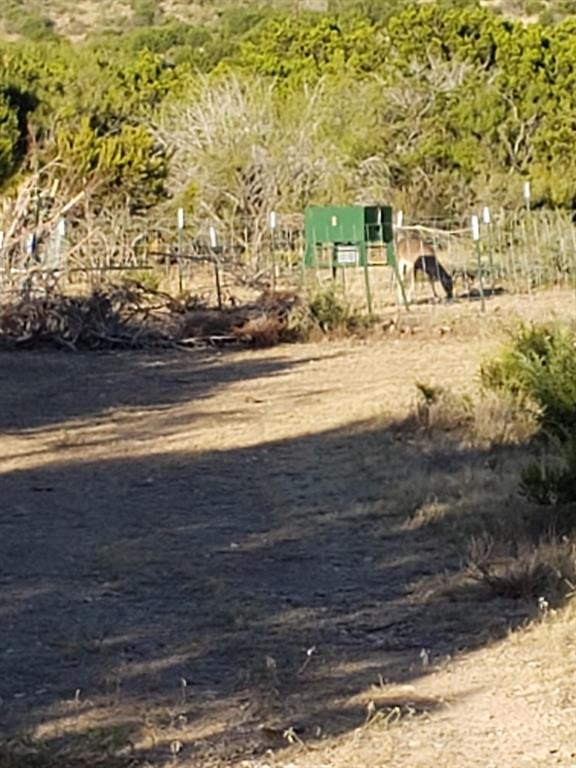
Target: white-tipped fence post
point(524, 225)
point(487, 219)
point(59, 242)
point(527, 192)
point(272, 221)
point(392, 260)
point(181, 224)
point(475, 227)
point(212, 234)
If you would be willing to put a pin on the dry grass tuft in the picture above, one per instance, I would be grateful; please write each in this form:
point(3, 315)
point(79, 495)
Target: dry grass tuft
point(498, 420)
point(438, 408)
point(102, 748)
point(494, 419)
point(261, 332)
point(431, 512)
point(544, 572)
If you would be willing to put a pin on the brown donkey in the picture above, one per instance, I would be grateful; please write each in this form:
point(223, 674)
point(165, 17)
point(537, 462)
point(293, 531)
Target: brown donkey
point(414, 255)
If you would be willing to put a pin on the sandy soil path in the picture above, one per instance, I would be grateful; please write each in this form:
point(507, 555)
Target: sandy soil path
point(212, 550)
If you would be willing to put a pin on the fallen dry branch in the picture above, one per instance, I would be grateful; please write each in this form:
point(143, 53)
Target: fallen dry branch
point(103, 320)
point(132, 317)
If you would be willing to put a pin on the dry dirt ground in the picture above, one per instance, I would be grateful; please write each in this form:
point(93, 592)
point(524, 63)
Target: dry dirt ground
point(215, 558)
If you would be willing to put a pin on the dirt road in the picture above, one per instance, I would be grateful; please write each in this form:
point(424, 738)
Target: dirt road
point(214, 554)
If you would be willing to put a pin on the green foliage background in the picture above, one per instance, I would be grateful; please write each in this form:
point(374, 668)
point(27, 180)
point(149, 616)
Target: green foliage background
point(432, 107)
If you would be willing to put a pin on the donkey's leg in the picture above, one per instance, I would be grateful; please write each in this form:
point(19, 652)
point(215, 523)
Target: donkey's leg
point(433, 284)
point(408, 278)
point(401, 282)
point(410, 293)
point(430, 267)
point(437, 269)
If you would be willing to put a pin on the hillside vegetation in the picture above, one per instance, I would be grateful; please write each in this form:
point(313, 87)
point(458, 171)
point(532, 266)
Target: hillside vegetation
point(76, 20)
point(255, 107)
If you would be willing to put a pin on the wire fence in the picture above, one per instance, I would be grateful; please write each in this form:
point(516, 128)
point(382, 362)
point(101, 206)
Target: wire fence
point(516, 251)
point(519, 251)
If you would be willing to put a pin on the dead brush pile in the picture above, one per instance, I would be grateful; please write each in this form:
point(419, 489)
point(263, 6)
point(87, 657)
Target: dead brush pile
point(267, 321)
point(133, 317)
point(105, 319)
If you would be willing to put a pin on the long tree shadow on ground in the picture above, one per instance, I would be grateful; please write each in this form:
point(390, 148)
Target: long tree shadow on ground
point(234, 596)
point(43, 389)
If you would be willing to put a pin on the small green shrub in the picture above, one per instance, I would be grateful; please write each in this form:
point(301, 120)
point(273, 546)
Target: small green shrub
point(548, 485)
point(552, 483)
point(533, 7)
point(147, 279)
point(326, 313)
point(538, 368)
point(509, 371)
point(30, 24)
point(146, 12)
